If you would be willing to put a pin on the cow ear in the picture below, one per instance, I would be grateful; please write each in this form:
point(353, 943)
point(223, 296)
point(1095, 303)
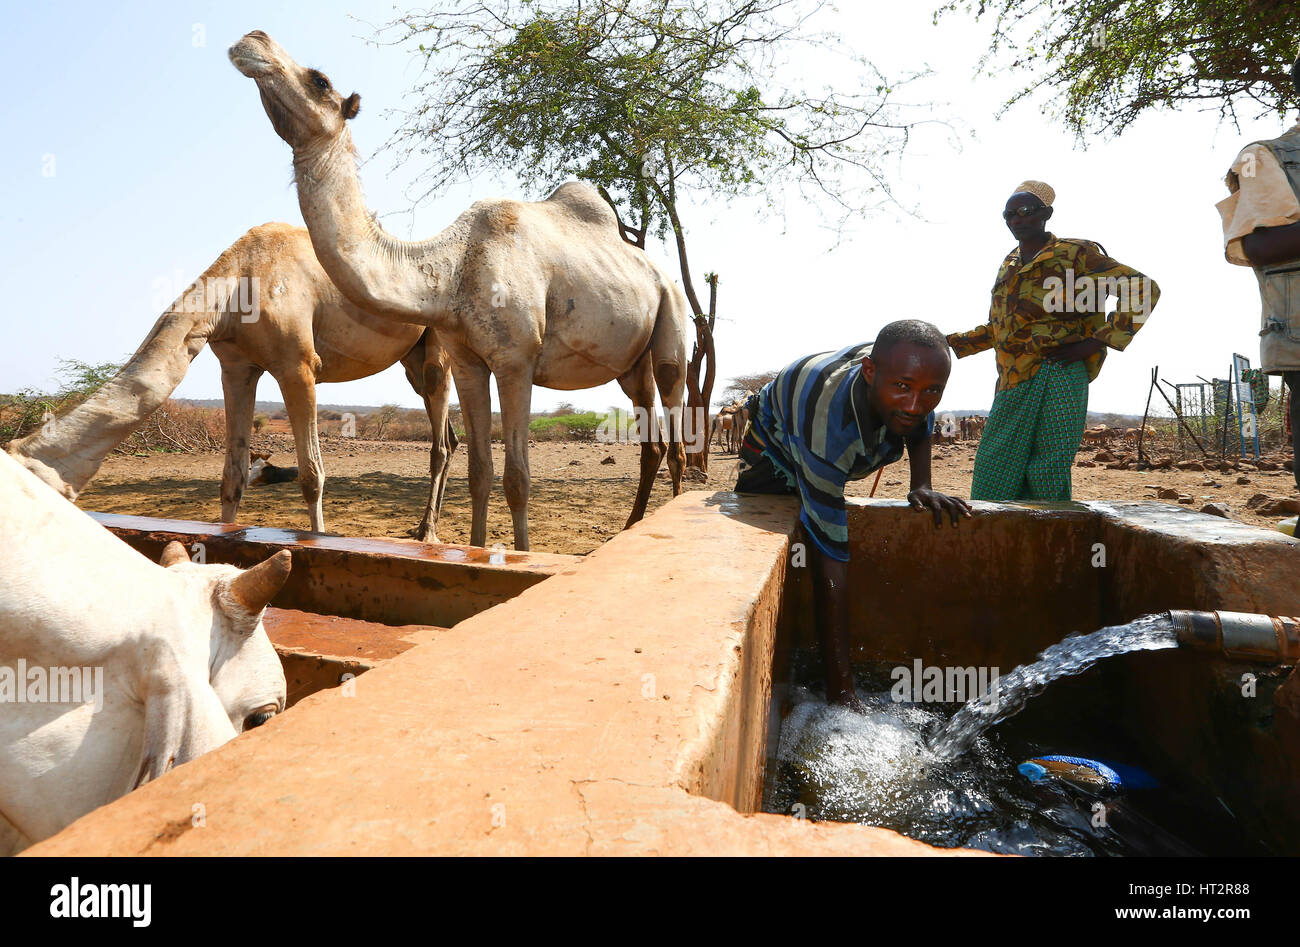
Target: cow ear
point(351, 105)
point(173, 553)
point(254, 588)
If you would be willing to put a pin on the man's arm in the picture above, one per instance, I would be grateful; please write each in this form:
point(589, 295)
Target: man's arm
point(971, 342)
point(832, 577)
point(980, 339)
point(1260, 214)
point(1266, 246)
point(920, 495)
point(825, 520)
point(1137, 295)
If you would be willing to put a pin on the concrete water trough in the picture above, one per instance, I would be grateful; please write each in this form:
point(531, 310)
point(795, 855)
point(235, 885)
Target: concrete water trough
point(626, 702)
point(1015, 579)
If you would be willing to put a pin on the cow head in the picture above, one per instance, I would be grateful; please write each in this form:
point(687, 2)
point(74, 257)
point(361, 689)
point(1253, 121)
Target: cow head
point(258, 465)
point(243, 668)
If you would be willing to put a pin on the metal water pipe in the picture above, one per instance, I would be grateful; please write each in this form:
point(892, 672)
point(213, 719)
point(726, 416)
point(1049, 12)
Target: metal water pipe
point(1241, 635)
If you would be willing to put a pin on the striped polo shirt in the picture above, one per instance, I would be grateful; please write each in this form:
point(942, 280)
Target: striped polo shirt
point(814, 425)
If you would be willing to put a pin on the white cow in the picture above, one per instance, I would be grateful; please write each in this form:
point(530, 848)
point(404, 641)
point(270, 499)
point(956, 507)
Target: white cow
point(182, 660)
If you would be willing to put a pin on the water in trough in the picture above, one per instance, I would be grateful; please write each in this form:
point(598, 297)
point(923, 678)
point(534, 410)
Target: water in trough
point(946, 779)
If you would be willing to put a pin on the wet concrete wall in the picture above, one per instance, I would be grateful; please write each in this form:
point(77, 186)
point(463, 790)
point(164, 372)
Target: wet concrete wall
point(995, 589)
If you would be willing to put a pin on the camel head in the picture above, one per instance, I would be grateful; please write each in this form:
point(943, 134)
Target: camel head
point(243, 668)
point(303, 106)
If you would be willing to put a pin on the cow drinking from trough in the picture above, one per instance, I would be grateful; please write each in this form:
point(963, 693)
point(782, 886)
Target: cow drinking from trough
point(176, 655)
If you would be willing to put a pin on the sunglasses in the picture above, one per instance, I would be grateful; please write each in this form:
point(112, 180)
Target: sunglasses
point(1024, 210)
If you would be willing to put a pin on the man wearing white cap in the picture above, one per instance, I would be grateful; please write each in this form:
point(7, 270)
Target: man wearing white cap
point(1261, 229)
point(1049, 329)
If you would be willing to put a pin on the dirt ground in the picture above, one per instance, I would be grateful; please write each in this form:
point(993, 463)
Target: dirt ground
point(379, 489)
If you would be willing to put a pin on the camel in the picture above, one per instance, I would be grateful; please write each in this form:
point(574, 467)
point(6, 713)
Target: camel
point(730, 422)
point(113, 668)
point(545, 292)
point(723, 422)
point(286, 318)
point(741, 417)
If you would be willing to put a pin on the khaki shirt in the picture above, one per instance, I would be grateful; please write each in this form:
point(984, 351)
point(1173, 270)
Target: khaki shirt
point(1264, 199)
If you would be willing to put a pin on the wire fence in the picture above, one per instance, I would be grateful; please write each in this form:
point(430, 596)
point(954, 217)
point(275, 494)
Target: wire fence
point(1205, 420)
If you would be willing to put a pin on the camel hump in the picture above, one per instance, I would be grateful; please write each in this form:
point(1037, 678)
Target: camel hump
point(583, 201)
point(258, 247)
point(270, 236)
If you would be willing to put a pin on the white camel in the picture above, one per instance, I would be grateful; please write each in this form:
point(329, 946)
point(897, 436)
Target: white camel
point(113, 668)
point(543, 293)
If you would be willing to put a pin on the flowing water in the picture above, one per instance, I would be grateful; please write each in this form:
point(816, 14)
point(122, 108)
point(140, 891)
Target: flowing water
point(943, 778)
point(1070, 656)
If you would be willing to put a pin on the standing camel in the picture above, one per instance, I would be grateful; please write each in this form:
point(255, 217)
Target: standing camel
point(722, 424)
point(286, 318)
point(543, 292)
point(730, 422)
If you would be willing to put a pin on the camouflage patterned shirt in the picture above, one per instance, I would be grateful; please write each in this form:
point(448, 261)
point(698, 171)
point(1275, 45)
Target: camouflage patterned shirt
point(1057, 298)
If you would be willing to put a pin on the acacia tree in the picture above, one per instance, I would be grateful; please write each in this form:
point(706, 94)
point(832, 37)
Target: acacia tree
point(743, 383)
point(1103, 63)
point(651, 102)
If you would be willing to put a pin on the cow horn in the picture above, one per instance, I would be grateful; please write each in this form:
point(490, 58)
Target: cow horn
point(254, 588)
point(173, 553)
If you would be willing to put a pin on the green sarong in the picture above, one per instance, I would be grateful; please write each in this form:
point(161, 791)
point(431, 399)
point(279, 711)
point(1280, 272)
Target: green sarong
point(1027, 449)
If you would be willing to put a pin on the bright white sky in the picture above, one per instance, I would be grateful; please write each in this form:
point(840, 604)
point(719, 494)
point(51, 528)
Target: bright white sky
point(163, 156)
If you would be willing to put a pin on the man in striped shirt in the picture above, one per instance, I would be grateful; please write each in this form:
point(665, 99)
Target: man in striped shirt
point(835, 417)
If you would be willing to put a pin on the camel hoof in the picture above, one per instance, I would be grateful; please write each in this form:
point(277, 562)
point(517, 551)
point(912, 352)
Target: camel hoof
point(422, 534)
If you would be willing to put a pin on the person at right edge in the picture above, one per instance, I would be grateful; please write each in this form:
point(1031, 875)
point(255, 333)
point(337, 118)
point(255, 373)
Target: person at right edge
point(1261, 229)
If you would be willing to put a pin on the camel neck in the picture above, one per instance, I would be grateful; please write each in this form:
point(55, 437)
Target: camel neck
point(75, 445)
point(403, 280)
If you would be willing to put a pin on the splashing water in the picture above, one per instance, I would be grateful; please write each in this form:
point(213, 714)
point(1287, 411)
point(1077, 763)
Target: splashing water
point(875, 769)
point(1070, 656)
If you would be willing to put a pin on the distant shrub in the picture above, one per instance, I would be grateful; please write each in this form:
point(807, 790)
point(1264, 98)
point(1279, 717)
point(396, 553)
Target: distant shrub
point(23, 412)
point(580, 427)
point(376, 425)
point(177, 427)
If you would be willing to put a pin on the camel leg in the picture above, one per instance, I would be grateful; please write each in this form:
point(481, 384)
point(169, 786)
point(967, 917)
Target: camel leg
point(671, 380)
point(452, 442)
point(426, 370)
point(239, 386)
point(639, 385)
point(472, 378)
point(300, 401)
point(515, 390)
